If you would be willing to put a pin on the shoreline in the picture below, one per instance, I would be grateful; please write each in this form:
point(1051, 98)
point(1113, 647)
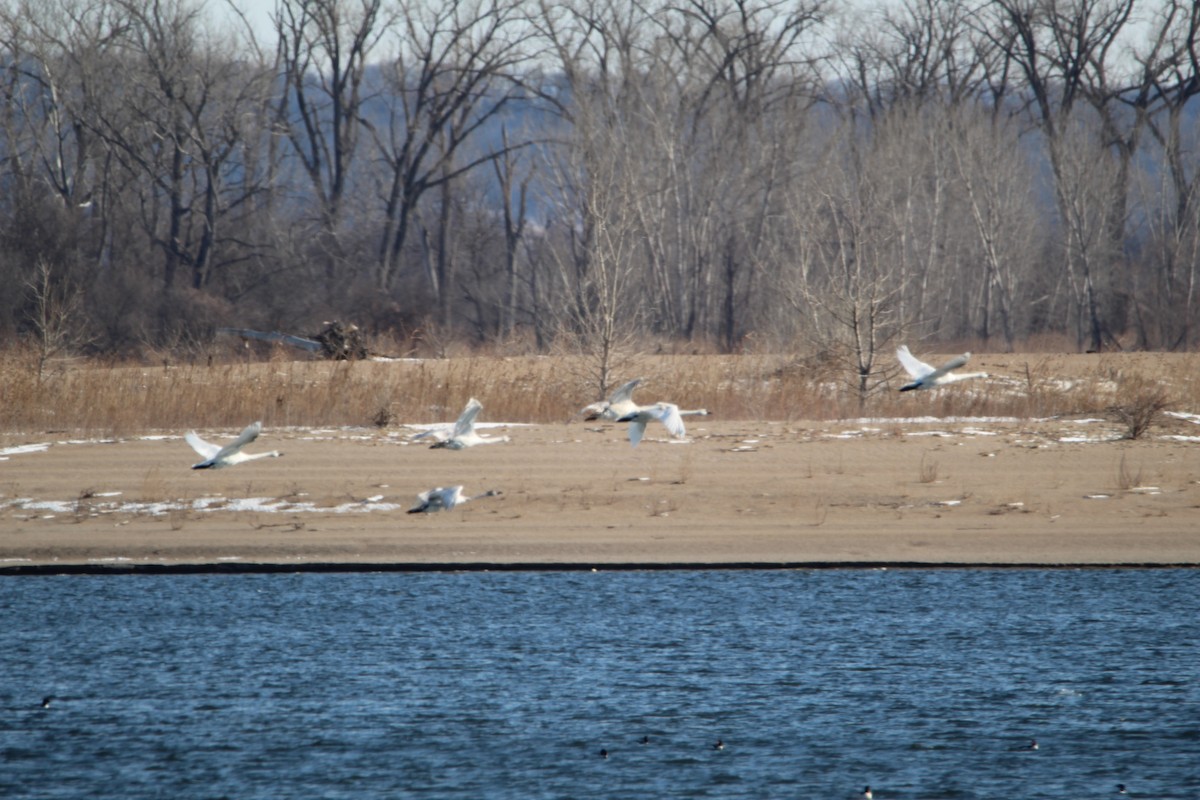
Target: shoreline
point(961, 494)
point(49, 570)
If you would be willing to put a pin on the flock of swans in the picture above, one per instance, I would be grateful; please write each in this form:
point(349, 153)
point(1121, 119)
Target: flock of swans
point(619, 407)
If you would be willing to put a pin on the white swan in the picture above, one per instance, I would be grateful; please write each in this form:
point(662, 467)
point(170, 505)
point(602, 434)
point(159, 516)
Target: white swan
point(464, 434)
point(666, 413)
point(926, 377)
point(217, 457)
point(618, 404)
point(444, 498)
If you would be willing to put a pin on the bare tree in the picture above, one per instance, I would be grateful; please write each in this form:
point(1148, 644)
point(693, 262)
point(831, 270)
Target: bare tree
point(916, 52)
point(55, 314)
point(1171, 64)
point(996, 183)
point(55, 169)
point(847, 283)
point(324, 47)
point(456, 70)
point(593, 187)
point(725, 97)
point(594, 180)
point(1065, 54)
point(513, 176)
point(178, 127)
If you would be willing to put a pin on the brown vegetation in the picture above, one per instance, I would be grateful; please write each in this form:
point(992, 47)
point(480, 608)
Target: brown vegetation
point(85, 397)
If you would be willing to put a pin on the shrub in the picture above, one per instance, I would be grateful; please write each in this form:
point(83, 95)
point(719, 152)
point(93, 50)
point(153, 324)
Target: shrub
point(1139, 404)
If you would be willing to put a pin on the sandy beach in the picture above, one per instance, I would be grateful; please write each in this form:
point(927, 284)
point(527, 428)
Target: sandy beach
point(735, 493)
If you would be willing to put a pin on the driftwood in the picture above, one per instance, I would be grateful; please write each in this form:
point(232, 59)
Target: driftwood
point(338, 342)
point(342, 342)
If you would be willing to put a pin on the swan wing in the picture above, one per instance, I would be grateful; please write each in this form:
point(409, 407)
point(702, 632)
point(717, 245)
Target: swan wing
point(912, 365)
point(624, 393)
point(953, 363)
point(466, 422)
point(206, 449)
point(637, 429)
point(440, 433)
point(668, 415)
point(449, 496)
point(244, 438)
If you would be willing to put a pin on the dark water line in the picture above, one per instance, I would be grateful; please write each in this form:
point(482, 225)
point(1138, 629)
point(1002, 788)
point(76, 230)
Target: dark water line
point(268, 568)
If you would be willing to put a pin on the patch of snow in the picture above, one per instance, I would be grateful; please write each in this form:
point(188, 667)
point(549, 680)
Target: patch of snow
point(22, 449)
point(56, 506)
point(265, 504)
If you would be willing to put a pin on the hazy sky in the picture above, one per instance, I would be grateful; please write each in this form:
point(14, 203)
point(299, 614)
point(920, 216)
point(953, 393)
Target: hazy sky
point(257, 11)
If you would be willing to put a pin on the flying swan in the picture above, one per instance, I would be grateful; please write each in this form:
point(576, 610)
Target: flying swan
point(926, 377)
point(616, 406)
point(666, 413)
point(464, 434)
point(217, 457)
point(444, 498)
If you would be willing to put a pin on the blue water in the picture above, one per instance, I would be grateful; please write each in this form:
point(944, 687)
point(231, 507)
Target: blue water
point(923, 684)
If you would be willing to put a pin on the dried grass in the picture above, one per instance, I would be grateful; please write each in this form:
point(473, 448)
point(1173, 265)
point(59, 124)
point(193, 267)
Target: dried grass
point(1128, 477)
point(80, 397)
point(928, 469)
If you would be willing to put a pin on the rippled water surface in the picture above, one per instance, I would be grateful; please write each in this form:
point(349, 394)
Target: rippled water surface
point(923, 684)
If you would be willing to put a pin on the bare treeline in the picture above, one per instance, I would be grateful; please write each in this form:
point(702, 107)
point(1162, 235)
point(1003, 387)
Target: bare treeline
point(717, 171)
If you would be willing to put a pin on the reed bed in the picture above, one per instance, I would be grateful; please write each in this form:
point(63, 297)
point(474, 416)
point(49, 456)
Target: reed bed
point(83, 398)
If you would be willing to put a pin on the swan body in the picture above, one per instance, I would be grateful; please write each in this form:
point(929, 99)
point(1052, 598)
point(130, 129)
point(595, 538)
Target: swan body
point(618, 404)
point(666, 413)
point(218, 457)
point(925, 376)
point(444, 498)
point(464, 435)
